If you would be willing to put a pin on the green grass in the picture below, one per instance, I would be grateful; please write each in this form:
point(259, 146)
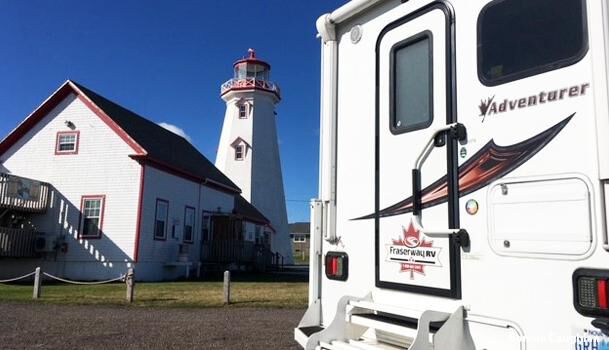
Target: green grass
point(168, 294)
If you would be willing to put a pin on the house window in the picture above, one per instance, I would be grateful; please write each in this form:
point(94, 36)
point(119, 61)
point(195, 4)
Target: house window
point(411, 84)
point(267, 238)
point(160, 219)
point(242, 111)
point(300, 238)
point(239, 152)
point(67, 142)
point(522, 38)
point(189, 224)
point(258, 235)
point(205, 222)
point(91, 216)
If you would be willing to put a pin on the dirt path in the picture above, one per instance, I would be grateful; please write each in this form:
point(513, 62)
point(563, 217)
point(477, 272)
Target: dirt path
point(29, 326)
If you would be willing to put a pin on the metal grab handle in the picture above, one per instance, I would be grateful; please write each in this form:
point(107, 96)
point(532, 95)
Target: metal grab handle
point(454, 130)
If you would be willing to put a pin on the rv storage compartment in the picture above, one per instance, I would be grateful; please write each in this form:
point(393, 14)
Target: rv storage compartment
point(549, 217)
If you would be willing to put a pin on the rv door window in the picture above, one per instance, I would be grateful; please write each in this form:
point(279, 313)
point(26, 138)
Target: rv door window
point(521, 38)
point(411, 84)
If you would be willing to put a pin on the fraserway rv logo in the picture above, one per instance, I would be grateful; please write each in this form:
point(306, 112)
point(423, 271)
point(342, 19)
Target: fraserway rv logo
point(412, 252)
point(491, 106)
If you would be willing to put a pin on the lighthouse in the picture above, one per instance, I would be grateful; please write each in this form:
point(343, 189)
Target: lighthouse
point(248, 152)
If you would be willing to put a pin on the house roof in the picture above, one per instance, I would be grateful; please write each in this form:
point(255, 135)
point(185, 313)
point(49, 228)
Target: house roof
point(152, 143)
point(248, 211)
point(300, 227)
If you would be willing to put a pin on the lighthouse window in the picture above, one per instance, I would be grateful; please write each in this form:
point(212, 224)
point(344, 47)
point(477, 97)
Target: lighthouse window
point(522, 38)
point(411, 84)
point(242, 111)
point(239, 152)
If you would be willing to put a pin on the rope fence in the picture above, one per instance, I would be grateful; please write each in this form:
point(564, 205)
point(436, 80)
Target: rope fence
point(18, 278)
point(128, 279)
point(120, 278)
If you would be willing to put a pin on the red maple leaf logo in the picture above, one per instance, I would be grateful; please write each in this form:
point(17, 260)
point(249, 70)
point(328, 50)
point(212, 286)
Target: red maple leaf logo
point(412, 239)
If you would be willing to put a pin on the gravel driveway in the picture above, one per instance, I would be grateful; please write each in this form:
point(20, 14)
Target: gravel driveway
point(39, 326)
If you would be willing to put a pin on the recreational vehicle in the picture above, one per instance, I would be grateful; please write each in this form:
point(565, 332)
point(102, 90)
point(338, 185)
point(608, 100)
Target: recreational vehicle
point(464, 171)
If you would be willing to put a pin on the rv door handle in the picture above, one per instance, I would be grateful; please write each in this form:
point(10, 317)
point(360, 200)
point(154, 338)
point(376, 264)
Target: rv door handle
point(454, 131)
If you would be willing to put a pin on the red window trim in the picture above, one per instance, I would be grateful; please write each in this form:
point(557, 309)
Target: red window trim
point(194, 221)
point(101, 219)
point(61, 133)
point(156, 208)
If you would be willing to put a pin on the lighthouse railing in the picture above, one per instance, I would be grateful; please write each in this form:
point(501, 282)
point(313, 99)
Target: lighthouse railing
point(247, 83)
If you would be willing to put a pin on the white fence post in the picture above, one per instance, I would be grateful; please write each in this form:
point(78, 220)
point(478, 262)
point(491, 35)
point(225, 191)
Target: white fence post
point(226, 287)
point(37, 283)
point(130, 281)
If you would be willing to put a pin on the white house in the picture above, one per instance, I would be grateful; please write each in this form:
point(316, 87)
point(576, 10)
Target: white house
point(113, 190)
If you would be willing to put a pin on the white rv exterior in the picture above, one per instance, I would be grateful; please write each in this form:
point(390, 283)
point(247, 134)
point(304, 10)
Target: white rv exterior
point(501, 107)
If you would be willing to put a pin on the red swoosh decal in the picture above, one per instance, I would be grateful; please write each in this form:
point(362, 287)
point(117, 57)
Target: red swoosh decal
point(490, 163)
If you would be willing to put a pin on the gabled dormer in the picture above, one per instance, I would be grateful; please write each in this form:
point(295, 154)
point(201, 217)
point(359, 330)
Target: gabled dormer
point(241, 148)
point(244, 108)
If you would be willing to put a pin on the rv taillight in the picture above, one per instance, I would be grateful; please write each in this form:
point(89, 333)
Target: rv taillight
point(591, 292)
point(337, 266)
point(601, 287)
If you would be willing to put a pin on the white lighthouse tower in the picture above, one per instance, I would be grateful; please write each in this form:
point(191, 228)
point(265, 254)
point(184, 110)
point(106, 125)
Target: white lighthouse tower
point(248, 152)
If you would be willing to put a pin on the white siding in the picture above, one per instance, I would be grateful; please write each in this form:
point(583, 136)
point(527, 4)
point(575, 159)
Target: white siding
point(156, 256)
point(234, 128)
point(101, 167)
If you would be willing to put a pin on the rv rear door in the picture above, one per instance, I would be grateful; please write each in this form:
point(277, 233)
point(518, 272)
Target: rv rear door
point(415, 97)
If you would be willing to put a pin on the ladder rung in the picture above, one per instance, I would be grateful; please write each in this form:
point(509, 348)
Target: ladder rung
point(371, 321)
point(389, 309)
point(341, 345)
point(373, 344)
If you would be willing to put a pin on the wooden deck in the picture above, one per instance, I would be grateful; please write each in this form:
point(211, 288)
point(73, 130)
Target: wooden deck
point(24, 195)
point(17, 243)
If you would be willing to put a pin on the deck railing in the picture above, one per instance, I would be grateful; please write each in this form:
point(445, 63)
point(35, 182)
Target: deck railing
point(19, 193)
point(17, 243)
point(220, 251)
point(237, 252)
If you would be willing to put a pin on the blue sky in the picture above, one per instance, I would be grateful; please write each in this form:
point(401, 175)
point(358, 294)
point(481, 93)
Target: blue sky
point(166, 61)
